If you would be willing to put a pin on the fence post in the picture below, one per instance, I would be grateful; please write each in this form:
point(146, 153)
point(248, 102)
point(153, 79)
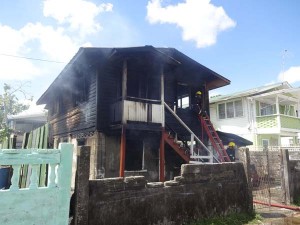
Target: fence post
point(286, 177)
point(248, 174)
point(82, 186)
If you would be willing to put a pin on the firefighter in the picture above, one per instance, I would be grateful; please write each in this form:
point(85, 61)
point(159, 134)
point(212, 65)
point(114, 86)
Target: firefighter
point(231, 151)
point(198, 106)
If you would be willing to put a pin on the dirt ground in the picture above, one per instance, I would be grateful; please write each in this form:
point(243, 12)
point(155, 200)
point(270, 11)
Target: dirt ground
point(277, 216)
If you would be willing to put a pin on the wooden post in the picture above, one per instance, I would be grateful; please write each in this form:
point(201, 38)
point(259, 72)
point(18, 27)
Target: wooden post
point(162, 157)
point(162, 142)
point(122, 151)
point(248, 174)
point(162, 95)
point(81, 202)
point(124, 79)
point(124, 90)
point(286, 177)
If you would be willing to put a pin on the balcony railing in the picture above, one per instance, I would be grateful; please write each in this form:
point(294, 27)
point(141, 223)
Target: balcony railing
point(137, 111)
point(278, 121)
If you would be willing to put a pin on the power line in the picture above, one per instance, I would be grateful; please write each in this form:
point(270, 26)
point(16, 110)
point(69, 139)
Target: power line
point(29, 58)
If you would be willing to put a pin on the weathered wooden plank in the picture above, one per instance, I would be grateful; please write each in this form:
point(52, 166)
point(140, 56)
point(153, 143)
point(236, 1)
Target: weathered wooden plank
point(25, 140)
point(43, 167)
point(29, 143)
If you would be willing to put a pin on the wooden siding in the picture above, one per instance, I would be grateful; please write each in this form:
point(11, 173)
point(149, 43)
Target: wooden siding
point(136, 111)
point(79, 118)
point(170, 89)
point(109, 79)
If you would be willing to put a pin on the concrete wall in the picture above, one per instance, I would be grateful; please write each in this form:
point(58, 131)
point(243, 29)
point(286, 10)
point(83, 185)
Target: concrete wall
point(267, 163)
point(294, 166)
point(203, 190)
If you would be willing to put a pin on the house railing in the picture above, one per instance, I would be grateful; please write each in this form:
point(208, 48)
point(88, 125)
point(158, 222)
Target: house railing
point(290, 122)
point(37, 205)
point(137, 110)
point(195, 154)
point(274, 148)
point(278, 121)
point(269, 121)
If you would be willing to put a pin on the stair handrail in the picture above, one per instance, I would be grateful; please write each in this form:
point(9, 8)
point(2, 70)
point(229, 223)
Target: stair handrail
point(189, 130)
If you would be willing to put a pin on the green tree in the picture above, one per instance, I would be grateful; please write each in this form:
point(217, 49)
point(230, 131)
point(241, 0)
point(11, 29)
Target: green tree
point(10, 105)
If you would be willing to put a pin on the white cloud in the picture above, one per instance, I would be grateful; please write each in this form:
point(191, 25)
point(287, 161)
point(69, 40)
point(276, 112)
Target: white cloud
point(199, 20)
point(49, 43)
point(60, 39)
point(54, 43)
point(292, 75)
point(12, 42)
point(17, 69)
point(79, 14)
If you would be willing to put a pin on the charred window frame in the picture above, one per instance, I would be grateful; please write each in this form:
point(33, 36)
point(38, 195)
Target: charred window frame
point(143, 81)
point(80, 90)
point(56, 105)
point(183, 96)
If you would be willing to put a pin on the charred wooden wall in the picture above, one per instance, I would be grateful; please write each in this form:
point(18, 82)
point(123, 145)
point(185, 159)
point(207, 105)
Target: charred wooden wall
point(75, 117)
point(108, 79)
point(187, 115)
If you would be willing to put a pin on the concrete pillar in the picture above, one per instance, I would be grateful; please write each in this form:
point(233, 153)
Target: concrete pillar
point(101, 156)
point(93, 143)
point(112, 156)
point(151, 160)
point(81, 193)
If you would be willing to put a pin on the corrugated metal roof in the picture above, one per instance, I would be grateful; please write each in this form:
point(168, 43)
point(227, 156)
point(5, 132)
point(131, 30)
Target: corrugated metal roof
point(251, 92)
point(191, 69)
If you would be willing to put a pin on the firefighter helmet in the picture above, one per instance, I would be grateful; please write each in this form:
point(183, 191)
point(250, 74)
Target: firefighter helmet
point(231, 144)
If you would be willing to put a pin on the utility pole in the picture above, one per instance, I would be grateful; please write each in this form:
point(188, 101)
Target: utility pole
point(284, 55)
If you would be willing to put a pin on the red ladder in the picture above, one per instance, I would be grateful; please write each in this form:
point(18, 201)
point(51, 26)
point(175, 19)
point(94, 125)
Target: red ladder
point(214, 138)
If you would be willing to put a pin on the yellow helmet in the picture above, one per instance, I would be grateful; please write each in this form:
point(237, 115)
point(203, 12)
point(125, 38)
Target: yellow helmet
point(198, 93)
point(231, 144)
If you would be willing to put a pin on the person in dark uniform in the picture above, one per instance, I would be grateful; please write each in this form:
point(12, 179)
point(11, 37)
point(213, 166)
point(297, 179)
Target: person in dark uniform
point(231, 151)
point(198, 106)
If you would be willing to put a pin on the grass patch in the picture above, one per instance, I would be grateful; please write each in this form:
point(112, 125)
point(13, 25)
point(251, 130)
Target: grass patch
point(233, 219)
point(297, 201)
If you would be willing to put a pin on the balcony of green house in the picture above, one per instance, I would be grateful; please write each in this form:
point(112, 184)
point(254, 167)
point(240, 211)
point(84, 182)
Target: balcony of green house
point(277, 112)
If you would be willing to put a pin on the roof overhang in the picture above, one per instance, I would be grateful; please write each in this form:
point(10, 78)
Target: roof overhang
point(238, 140)
point(285, 96)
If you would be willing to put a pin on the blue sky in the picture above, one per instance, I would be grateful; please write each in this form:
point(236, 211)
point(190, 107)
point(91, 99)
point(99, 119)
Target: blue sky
point(250, 42)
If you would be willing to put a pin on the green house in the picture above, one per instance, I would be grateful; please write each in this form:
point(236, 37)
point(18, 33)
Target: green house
point(267, 116)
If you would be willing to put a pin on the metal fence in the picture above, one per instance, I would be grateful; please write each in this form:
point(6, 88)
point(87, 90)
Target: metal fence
point(267, 174)
point(265, 167)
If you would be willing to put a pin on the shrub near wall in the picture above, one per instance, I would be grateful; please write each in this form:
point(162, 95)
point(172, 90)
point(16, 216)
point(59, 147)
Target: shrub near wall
point(202, 191)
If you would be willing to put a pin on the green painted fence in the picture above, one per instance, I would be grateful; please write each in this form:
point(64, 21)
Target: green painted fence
point(37, 138)
point(36, 205)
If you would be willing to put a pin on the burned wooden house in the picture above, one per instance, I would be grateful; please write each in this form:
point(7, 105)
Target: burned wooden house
point(134, 107)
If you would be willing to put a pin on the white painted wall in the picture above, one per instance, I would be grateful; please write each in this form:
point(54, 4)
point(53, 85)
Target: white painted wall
point(240, 126)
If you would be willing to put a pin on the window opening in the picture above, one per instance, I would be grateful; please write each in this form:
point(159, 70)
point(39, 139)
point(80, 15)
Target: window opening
point(183, 96)
point(230, 109)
